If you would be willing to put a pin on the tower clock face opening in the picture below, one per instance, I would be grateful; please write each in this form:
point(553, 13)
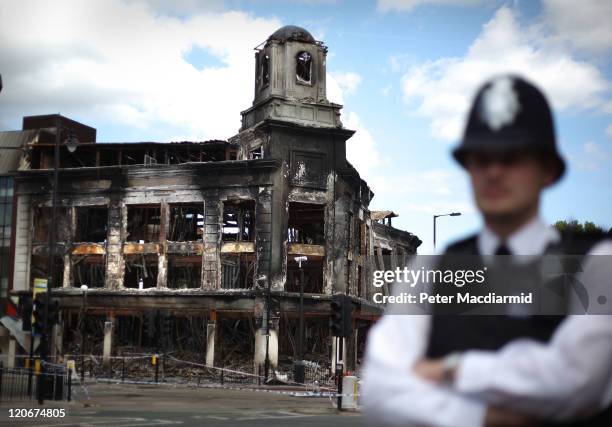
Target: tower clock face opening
point(304, 67)
point(265, 70)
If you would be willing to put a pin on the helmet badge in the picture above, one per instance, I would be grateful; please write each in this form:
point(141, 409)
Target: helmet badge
point(499, 104)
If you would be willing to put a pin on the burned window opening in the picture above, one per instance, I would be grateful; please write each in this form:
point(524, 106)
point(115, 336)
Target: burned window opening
point(306, 223)
point(184, 272)
point(78, 159)
point(237, 271)
point(42, 221)
point(89, 270)
point(363, 238)
point(108, 157)
point(303, 69)
point(347, 275)
point(40, 265)
point(265, 70)
point(359, 236)
point(132, 157)
point(231, 154)
point(238, 221)
point(143, 223)
point(359, 281)
point(186, 222)
point(91, 224)
point(256, 153)
point(350, 229)
point(313, 276)
point(140, 272)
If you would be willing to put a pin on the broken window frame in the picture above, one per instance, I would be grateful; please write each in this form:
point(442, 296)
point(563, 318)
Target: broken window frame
point(148, 264)
point(183, 229)
point(237, 271)
point(307, 231)
point(242, 213)
point(303, 67)
point(184, 269)
point(256, 153)
point(139, 233)
point(95, 278)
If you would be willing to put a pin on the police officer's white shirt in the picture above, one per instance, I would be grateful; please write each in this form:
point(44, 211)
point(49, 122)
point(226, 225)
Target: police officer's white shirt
point(570, 375)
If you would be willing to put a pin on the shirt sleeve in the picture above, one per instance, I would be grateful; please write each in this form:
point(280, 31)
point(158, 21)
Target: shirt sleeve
point(568, 377)
point(394, 396)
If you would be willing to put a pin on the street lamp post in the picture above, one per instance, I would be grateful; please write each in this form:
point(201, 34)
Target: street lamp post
point(434, 224)
point(84, 305)
point(299, 366)
point(71, 144)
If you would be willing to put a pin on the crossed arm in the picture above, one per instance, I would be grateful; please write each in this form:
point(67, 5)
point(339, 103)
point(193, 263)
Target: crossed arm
point(523, 382)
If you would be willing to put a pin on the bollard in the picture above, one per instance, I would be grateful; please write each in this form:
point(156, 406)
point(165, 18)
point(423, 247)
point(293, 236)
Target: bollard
point(164, 368)
point(339, 372)
point(69, 387)
point(29, 378)
point(154, 362)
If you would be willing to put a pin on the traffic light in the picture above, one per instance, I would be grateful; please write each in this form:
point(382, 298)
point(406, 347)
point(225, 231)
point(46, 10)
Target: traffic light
point(53, 312)
point(341, 312)
point(25, 312)
point(38, 312)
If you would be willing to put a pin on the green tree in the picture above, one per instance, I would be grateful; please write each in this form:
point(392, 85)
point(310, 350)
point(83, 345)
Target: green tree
point(575, 226)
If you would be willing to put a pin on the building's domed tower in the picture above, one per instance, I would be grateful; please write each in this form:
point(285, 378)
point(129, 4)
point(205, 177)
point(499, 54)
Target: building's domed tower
point(290, 72)
point(294, 134)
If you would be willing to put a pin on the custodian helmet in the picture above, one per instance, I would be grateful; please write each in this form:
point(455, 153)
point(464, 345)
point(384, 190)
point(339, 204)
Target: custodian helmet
point(510, 114)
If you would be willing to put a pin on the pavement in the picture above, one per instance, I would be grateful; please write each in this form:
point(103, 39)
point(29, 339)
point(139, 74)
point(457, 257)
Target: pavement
point(122, 405)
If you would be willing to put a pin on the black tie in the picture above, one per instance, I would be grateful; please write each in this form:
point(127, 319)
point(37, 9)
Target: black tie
point(502, 249)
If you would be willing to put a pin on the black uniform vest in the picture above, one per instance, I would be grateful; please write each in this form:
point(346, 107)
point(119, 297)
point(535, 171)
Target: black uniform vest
point(451, 333)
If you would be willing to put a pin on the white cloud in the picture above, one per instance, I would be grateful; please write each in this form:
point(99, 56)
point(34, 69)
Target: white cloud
point(124, 63)
point(593, 157)
point(441, 90)
point(347, 81)
point(361, 149)
point(609, 130)
point(585, 24)
point(408, 5)
point(181, 7)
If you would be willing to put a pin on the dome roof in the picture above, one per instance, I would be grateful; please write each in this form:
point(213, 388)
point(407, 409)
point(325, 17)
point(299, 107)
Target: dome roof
point(292, 32)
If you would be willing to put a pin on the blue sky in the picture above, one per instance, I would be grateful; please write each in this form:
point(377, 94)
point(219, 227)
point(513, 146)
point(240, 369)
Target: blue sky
point(405, 71)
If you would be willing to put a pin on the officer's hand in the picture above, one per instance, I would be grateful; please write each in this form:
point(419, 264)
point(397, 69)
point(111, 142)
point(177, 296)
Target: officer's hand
point(497, 417)
point(430, 369)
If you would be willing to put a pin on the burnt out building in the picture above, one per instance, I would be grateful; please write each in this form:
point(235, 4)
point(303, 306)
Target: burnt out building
point(205, 234)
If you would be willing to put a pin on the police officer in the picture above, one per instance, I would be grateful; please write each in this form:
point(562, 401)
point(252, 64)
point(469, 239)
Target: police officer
point(500, 370)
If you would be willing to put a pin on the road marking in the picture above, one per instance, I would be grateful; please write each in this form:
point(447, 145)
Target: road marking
point(116, 422)
point(253, 415)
